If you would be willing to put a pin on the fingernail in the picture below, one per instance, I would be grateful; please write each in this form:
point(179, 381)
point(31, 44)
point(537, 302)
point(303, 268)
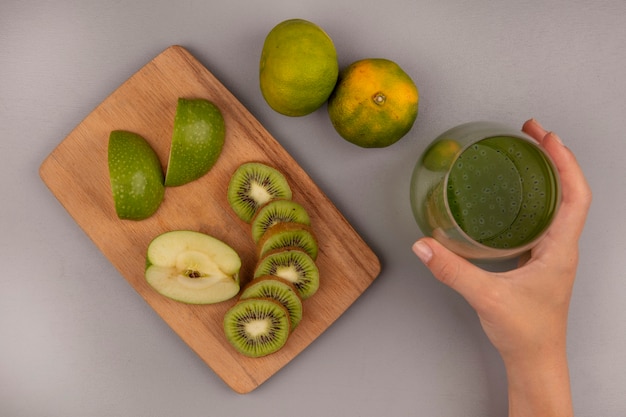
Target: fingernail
point(423, 251)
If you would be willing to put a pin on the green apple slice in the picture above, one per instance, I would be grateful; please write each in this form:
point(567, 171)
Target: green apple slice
point(192, 267)
point(135, 174)
point(197, 141)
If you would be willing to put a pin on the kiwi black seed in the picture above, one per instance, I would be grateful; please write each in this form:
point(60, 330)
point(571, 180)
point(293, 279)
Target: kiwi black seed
point(288, 234)
point(295, 266)
point(254, 184)
point(277, 211)
point(278, 289)
point(257, 326)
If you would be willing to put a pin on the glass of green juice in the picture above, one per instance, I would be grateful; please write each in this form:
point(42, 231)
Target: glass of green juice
point(485, 191)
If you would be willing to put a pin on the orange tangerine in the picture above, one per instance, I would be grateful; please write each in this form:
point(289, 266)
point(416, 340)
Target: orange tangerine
point(298, 68)
point(374, 103)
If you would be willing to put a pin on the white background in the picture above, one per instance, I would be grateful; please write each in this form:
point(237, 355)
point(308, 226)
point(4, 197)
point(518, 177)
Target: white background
point(75, 338)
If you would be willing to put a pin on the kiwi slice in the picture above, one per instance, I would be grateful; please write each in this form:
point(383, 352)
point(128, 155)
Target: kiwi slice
point(254, 184)
point(257, 326)
point(288, 234)
point(277, 211)
point(278, 289)
point(295, 266)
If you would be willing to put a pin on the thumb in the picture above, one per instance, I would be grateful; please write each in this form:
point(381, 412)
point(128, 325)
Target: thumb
point(451, 269)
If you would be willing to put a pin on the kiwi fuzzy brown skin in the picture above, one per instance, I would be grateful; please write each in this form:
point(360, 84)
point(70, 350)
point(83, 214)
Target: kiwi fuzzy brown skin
point(277, 211)
point(249, 311)
point(254, 184)
point(294, 265)
point(279, 289)
point(288, 234)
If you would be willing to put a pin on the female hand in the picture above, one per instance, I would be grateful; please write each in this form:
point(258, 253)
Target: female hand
point(524, 311)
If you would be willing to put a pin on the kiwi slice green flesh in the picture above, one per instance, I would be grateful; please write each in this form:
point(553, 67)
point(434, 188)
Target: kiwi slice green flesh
point(257, 327)
point(254, 184)
point(278, 211)
point(288, 235)
point(278, 289)
point(295, 266)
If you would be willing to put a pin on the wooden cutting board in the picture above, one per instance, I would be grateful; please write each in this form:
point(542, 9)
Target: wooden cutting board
point(77, 174)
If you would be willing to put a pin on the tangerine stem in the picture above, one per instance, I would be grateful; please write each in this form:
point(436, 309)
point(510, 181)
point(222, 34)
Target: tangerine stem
point(379, 98)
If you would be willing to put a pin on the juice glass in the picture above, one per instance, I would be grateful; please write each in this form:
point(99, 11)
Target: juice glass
point(485, 191)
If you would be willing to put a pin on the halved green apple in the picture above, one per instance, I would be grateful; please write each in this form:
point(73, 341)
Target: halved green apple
point(197, 141)
point(192, 267)
point(136, 175)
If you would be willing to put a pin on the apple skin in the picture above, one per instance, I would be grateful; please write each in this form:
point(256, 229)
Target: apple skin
point(192, 267)
point(197, 141)
point(135, 174)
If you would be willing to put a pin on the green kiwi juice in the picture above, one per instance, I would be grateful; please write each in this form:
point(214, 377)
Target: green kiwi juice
point(501, 192)
point(485, 191)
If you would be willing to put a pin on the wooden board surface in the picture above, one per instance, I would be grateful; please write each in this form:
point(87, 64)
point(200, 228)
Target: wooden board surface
point(77, 174)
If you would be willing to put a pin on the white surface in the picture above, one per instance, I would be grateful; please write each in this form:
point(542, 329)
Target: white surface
point(76, 340)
